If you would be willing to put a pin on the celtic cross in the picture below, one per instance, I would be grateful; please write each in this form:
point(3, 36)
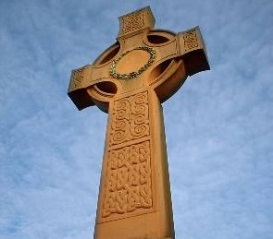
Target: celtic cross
point(129, 81)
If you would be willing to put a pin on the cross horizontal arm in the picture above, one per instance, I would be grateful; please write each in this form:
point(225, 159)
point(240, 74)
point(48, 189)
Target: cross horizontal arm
point(76, 89)
point(81, 79)
point(192, 49)
point(188, 45)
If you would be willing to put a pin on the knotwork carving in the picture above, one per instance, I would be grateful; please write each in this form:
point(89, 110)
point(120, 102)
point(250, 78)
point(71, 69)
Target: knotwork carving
point(133, 22)
point(77, 76)
point(128, 187)
point(190, 40)
point(130, 119)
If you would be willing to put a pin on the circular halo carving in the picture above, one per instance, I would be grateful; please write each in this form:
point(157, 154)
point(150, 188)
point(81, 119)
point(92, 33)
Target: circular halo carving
point(113, 72)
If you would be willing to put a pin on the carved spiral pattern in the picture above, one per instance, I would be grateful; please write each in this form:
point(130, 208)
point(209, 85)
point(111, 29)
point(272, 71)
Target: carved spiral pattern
point(119, 136)
point(140, 98)
point(139, 119)
point(140, 109)
point(138, 130)
point(121, 114)
point(122, 104)
point(130, 119)
point(128, 185)
point(120, 125)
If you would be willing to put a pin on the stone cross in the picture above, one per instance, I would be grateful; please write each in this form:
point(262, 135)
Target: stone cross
point(129, 81)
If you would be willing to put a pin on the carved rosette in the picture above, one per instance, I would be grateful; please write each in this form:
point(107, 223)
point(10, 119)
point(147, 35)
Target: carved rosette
point(130, 119)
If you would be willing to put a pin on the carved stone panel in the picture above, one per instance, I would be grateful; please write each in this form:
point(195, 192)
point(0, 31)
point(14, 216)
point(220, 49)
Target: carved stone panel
point(128, 187)
point(133, 22)
point(77, 78)
point(130, 119)
point(136, 21)
point(190, 40)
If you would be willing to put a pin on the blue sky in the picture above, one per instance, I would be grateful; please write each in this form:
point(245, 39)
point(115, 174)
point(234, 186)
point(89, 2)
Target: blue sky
point(219, 124)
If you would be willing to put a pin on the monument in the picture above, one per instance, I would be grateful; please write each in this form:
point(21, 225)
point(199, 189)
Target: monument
point(129, 81)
